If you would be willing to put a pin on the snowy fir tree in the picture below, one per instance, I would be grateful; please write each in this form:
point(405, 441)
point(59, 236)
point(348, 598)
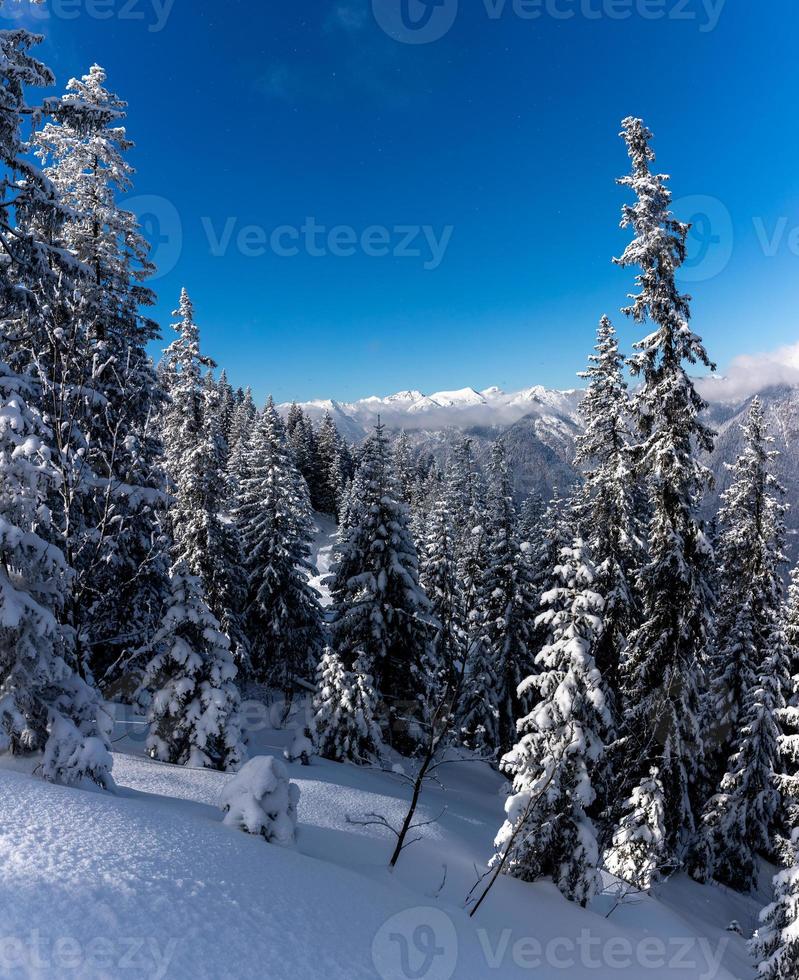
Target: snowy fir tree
point(302, 438)
point(749, 668)
point(333, 466)
point(242, 421)
point(740, 820)
point(544, 555)
point(439, 578)
point(380, 613)
point(194, 707)
point(273, 514)
point(548, 832)
point(504, 656)
point(603, 450)
point(260, 799)
point(775, 945)
point(111, 522)
point(749, 551)
point(344, 726)
point(405, 468)
point(789, 716)
point(195, 449)
point(531, 514)
point(44, 705)
point(662, 671)
point(638, 850)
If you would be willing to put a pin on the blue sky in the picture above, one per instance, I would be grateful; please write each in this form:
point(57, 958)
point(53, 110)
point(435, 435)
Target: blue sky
point(498, 143)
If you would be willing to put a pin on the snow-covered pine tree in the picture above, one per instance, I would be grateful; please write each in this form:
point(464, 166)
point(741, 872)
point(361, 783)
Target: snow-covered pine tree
point(775, 945)
point(739, 821)
point(789, 719)
point(504, 656)
point(194, 701)
point(273, 514)
point(465, 489)
point(44, 704)
point(531, 514)
point(380, 612)
point(747, 624)
point(225, 404)
point(31, 215)
point(344, 728)
point(203, 538)
point(112, 533)
point(749, 668)
point(302, 438)
point(637, 854)
point(333, 466)
point(543, 555)
point(662, 671)
point(405, 468)
point(603, 451)
point(548, 832)
point(439, 578)
point(241, 425)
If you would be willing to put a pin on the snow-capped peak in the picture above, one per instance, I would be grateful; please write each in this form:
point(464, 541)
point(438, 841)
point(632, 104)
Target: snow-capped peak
point(463, 396)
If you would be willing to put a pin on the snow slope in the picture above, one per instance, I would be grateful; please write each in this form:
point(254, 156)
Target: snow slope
point(149, 883)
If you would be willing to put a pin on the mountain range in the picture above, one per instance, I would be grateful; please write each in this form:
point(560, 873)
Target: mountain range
point(539, 426)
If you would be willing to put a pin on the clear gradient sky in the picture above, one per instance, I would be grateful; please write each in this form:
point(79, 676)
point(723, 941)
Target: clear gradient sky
point(502, 134)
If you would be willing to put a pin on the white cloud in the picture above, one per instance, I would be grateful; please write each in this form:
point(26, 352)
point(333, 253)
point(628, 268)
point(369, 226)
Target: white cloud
point(751, 373)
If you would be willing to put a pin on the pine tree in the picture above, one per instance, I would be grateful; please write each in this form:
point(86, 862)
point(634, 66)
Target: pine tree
point(283, 616)
point(739, 821)
point(508, 607)
point(637, 854)
point(439, 579)
point(380, 612)
point(749, 667)
point(302, 438)
point(661, 673)
point(344, 706)
point(332, 455)
point(194, 710)
point(548, 831)
point(531, 513)
point(241, 425)
point(404, 467)
point(775, 945)
point(603, 449)
point(789, 717)
point(225, 402)
point(44, 704)
point(111, 522)
point(207, 542)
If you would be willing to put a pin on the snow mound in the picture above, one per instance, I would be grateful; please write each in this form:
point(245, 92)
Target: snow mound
point(261, 800)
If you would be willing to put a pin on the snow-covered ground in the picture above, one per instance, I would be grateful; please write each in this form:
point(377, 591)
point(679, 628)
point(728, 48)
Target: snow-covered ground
point(150, 883)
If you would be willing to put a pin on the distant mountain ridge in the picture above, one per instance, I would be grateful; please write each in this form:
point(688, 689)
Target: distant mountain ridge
point(443, 410)
point(540, 425)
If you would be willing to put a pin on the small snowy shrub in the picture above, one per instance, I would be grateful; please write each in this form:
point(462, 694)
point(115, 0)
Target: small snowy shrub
point(259, 799)
point(301, 748)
